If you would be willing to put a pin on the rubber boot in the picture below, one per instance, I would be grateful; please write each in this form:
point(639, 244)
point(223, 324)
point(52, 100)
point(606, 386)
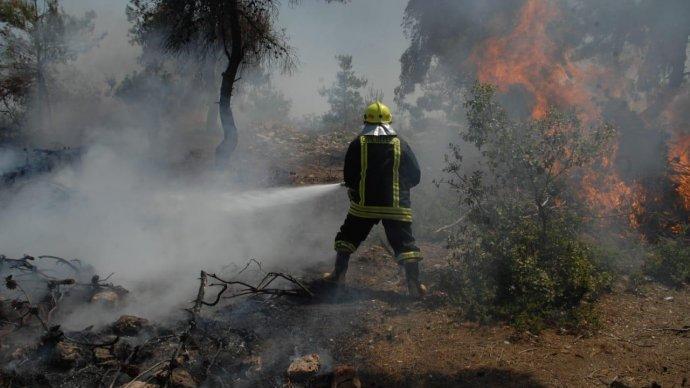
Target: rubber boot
point(338, 275)
point(414, 287)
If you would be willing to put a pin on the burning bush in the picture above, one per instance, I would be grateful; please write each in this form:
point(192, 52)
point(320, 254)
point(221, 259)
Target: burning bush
point(520, 256)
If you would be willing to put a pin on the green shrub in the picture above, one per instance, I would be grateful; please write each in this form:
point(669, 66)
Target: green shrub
point(669, 261)
point(514, 276)
point(521, 256)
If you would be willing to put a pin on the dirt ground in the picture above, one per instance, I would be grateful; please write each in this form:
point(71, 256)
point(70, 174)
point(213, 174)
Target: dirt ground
point(393, 342)
point(423, 346)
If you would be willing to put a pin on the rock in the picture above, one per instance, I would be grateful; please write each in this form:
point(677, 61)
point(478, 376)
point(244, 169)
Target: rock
point(104, 356)
point(131, 370)
point(107, 298)
point(304, 367)
point(182, 379)
point(129, 325)
point(122, 349)
point(66, 354)
point(345, 376)
point(251, 364)
point(18, 353)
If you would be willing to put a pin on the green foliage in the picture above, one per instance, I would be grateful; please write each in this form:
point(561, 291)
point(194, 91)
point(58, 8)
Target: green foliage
point(244, 33)
point(513, 273)
point(344, 97)
point(36, 35)
point(261, 102)
point(153, 93)
point(205, 27)
point(520, 255)
point(669, 261)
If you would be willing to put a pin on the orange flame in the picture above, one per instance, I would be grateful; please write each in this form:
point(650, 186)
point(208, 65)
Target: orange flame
point(605, 192)
point(679, 159)
point(528, 57)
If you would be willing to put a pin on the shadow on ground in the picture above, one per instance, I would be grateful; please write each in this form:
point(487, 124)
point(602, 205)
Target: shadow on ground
point(329, 293)
point(476, 377)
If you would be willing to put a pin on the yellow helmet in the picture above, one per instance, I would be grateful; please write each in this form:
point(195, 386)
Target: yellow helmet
point(377, 113)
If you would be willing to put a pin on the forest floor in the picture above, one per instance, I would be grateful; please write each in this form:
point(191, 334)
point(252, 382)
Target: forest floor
point(397, 342)
point(370, 325)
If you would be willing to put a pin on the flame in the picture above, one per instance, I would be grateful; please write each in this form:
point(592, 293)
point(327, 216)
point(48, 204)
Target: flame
point(606, 193)
point(679, 159)
point(528, 57)
point(676, 118)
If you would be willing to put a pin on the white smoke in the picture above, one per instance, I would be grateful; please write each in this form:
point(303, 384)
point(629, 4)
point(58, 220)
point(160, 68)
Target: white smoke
point(118, 213)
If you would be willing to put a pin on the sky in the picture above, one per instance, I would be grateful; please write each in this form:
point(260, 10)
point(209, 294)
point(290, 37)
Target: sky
point(370, 31)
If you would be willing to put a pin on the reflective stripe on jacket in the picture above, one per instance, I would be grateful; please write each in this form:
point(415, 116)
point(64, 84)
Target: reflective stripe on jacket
point(380, 170)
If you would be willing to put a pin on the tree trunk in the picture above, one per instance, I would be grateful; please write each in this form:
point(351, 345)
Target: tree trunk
point(235, 56)
point(209, 77)
point(227, 119)
point(45, 109)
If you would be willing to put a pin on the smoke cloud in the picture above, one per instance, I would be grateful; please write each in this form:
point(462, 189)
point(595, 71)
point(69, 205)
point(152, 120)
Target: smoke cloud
point(117, 213)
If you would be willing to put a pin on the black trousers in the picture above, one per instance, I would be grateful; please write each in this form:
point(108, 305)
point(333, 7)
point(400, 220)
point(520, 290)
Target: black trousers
point(399, 233)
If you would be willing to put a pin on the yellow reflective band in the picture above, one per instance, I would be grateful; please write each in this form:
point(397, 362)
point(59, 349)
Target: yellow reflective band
point(385, 216)
point(363, 172)
point(396, 175)
point(382, 139)
point(375, 216)
point(380, 209)
point(341, 245)
point(412, 255)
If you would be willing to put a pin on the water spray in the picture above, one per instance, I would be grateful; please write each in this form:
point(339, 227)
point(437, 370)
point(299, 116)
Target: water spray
point(258, 199)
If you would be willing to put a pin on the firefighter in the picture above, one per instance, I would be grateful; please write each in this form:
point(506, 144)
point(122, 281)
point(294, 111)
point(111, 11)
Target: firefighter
point(380, 168)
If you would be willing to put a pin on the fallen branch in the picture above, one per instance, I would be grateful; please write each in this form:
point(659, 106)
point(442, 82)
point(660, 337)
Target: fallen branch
point(62, 261)
point(44, 310)
point(23, 264)
point(261, 288)
point(459, 220)
point(191, 325)
point(153, 367)
point(32, 309)
point(129, 359)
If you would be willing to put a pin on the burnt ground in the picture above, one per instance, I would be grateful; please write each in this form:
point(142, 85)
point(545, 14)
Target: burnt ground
point(370, 325)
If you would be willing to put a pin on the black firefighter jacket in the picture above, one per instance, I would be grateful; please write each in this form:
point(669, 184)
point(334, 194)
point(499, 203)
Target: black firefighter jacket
point(380, 171)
